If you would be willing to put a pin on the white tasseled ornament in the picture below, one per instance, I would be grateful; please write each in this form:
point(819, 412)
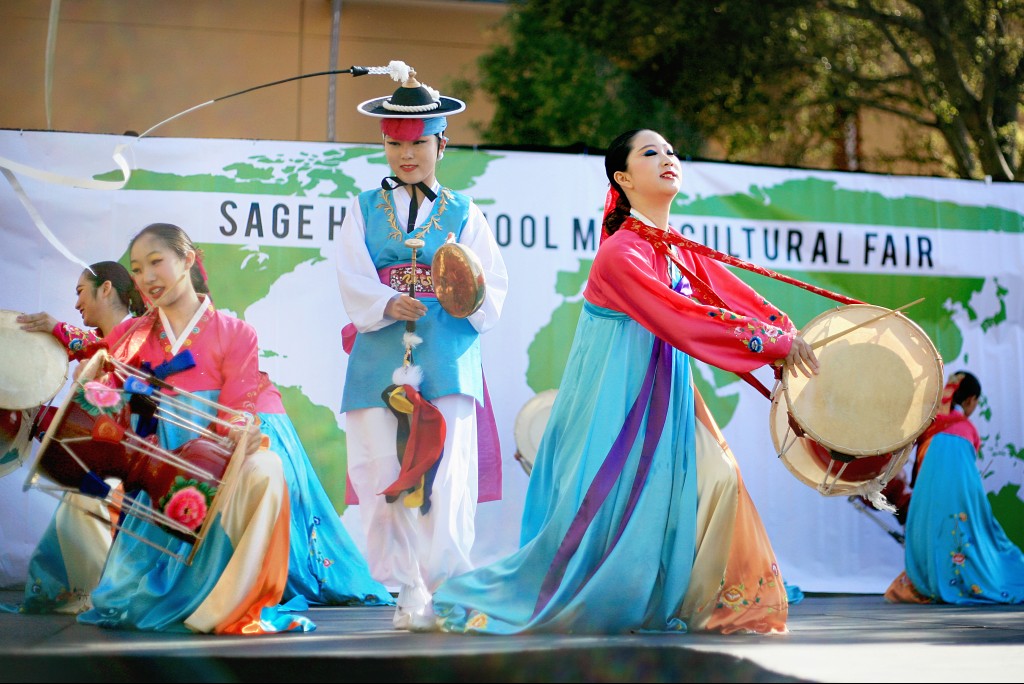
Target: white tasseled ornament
point(408, 375)
point(399, 70)
point(872, 491)
point(411, 340)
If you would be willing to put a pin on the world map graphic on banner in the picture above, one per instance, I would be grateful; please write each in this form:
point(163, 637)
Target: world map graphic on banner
point(245, 276)
point(265, 214)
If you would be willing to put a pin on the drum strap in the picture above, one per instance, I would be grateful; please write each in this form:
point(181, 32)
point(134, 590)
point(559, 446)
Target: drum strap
point(132, 339)
point(664, 240)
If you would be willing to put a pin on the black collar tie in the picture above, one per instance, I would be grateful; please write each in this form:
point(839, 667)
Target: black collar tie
point(392, 182)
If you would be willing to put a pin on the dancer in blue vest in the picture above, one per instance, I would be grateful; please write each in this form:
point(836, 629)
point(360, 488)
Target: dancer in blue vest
point(422, 449)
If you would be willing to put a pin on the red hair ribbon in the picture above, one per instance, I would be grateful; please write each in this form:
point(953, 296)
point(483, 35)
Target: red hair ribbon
point(946, 404)
point(610, 200)
point(202, 269)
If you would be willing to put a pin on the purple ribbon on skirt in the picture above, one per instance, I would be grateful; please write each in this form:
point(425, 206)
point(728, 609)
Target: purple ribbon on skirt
point(654, 395)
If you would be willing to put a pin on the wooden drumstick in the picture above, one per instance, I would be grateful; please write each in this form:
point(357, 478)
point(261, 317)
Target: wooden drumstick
point(413, 244)
point(836, 336)
point(410, 326)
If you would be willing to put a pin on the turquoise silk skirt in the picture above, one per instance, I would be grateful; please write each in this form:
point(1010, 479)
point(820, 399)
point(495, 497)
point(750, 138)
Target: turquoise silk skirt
point(608, 539)
point(324, 565)
point(956, 550)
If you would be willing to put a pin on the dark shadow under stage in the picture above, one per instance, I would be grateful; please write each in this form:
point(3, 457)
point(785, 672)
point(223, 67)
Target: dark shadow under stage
point(832, 638)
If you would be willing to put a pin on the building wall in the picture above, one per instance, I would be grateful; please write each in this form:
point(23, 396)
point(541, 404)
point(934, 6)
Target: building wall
point(120, 65)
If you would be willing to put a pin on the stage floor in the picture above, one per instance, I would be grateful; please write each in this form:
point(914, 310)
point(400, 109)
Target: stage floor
point(832, 638)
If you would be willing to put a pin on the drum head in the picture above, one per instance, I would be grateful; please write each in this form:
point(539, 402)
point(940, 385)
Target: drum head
point(529, 427)
point(878, 386)
point(814, 465)
point(34, 366)
point(458, 279)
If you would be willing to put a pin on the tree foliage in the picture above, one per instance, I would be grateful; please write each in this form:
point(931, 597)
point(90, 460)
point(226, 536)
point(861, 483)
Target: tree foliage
point(766, 82)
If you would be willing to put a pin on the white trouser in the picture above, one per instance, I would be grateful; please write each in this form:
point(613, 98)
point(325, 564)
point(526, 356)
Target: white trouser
point(403, 546)
point(85, 534)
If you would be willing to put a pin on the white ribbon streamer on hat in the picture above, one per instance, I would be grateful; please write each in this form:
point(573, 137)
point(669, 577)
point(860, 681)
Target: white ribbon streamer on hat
point(10, 167)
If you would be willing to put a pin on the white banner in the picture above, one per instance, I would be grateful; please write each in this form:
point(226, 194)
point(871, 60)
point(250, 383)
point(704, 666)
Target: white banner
point(265, 213)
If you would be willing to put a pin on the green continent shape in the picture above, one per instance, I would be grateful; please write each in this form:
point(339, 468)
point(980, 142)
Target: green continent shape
point(462, 167)
point(1000, 316)
point(932, 314)
point(307, 175)
point(241, 275)
point(817, 199)
point(323, 440)
point(549, 350)
point(1009, 511)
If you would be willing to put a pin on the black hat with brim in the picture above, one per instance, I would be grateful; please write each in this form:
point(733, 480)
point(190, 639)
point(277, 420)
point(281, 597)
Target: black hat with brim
point(411, 103)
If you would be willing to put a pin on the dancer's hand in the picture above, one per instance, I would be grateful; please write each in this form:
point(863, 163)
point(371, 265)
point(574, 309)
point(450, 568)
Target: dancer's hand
point(802, 357)
point(37, 322)
point(405, 308)
point(253, 434)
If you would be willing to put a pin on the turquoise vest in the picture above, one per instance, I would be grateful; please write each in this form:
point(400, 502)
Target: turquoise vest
point(449, 354)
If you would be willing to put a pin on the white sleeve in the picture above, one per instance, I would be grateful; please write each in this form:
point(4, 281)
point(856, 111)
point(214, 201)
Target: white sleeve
point(362, 293)
point(478, 237)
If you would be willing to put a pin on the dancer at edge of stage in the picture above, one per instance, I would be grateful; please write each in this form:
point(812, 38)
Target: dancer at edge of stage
point(955, 549)
point(636, 517)
point(325, 567)
point(66, 563)
point(106, 296)
point(422, 442)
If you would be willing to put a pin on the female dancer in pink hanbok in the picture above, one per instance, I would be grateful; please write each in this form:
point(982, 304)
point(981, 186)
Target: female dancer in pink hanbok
point(636, 517)
point(241, 573)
